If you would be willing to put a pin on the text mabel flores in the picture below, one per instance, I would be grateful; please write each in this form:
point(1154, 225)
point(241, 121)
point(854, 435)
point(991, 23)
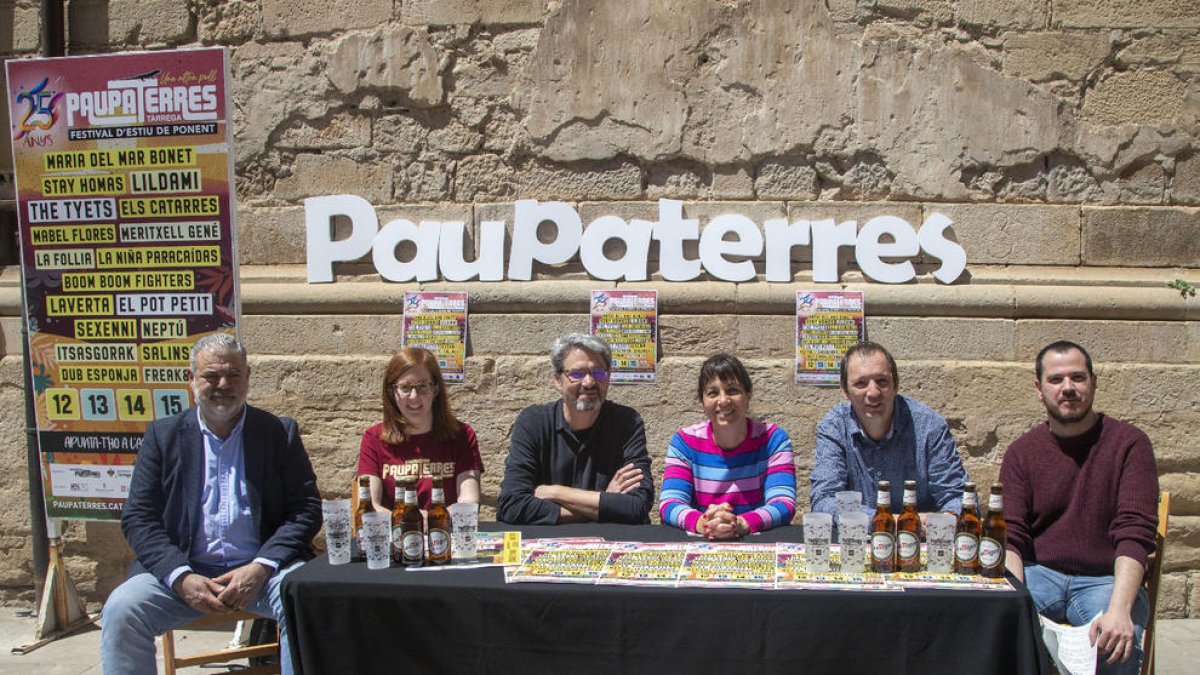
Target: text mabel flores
point(727, 248)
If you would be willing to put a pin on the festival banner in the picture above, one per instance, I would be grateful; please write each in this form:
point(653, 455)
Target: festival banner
point(628, 322)
point(124, 168)
point(827, 324)
point(437, 321)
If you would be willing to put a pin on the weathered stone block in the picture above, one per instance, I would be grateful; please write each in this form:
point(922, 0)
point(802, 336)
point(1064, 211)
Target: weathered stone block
point(684, 335)
point(1149, 97)
point(1107, 341)
point(129, 22)
point(272, 236)
point(25, 34)
point(399, 61)
point(923, 11)
point(314, 175)
point(786, 179)
point(1183, 544)
point(299, 18)
point(485, 12)
point(934, 338)
point(1172, 596)
point(732, 182)
point(1015, 234)
point(1050, 55)
point(228, 22)
point(343, 131)
point(1141, 237)
point(509, 334)
point(1127, 13)
point(1007, 14)
point(484, 178)
point(1185, 185)
point(342, 334)
point(591, 181)
point(1185, 492)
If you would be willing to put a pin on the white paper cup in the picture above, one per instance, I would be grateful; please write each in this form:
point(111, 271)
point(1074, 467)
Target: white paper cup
point(818, 532)
point(848, 501)
point(336, 516)
point(464, 523)
point(852, 533)
point(939, 536)
point(377, 536)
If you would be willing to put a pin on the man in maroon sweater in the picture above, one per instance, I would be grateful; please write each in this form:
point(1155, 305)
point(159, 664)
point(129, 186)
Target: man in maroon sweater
point(1080, 498)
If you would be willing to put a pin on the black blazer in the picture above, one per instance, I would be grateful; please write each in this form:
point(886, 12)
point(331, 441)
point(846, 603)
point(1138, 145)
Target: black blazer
point(164, 496)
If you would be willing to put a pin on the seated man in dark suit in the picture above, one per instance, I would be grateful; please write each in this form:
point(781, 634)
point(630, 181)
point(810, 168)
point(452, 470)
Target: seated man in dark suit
point(222, 505)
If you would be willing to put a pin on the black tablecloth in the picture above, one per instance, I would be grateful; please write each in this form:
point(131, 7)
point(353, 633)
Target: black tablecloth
point(349, 619)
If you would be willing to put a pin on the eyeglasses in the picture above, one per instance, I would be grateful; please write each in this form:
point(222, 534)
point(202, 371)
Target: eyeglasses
point(420, 389)
point(577, 375)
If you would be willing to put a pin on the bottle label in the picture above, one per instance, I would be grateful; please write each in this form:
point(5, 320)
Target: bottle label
point(439, 543)
point(414, 545)
point(883, 547)
point(969, 499)
point(397, 537)
point(883, 498)
point(991, 554)
point(909, 545)
point(910, 498)
point(966, 547)
point(996, 503)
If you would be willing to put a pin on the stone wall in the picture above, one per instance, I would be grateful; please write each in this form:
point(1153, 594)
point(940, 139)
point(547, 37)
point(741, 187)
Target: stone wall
point(1060, 137)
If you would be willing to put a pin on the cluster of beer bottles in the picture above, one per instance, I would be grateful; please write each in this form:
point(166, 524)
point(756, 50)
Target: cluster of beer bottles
point(417, 539)
point(979, 545)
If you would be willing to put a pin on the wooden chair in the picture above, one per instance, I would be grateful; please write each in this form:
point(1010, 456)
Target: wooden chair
point(1153, 577)
point(172, 661)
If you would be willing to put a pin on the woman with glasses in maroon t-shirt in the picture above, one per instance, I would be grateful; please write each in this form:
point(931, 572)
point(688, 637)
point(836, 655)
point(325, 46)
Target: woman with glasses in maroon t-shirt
point(419, 439)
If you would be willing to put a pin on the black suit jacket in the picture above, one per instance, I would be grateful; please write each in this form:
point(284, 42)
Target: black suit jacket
point(164, 506)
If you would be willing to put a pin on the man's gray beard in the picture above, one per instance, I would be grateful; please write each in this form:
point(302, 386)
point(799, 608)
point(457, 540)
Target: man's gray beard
point(586, 405)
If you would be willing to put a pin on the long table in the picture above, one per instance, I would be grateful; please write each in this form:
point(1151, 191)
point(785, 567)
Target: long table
point(349, 619)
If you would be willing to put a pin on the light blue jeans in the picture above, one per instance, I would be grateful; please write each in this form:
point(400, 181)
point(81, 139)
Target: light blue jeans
point(1076, 599)
point(142, 608)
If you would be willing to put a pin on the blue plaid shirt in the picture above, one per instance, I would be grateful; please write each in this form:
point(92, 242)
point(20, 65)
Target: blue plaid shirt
point(917, 447)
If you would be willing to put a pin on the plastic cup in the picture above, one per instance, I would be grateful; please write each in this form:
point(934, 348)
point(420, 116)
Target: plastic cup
point(336, 514)
point(818, 532)
point(377, 536)
point(848, 501)
point(939, 536)
point(852, 533)
point(464, 523)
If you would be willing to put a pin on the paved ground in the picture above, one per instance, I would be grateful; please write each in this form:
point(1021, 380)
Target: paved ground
point(1178, 648)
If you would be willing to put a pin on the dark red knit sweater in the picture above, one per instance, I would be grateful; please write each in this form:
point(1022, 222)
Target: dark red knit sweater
point(1075, 504)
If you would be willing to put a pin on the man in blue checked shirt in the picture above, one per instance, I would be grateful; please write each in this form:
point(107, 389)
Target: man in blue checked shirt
point(222, 505)
point(877, 434)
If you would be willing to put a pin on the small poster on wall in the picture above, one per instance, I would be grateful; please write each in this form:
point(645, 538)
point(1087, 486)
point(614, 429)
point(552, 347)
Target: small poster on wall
point(437, 321)
point(827, 324)
point(628, 322)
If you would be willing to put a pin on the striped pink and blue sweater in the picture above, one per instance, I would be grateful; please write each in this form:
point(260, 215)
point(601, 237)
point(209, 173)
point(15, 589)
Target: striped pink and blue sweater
point(757, 479)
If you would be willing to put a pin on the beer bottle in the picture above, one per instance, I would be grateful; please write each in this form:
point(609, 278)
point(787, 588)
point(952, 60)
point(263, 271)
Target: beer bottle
point(966, 534)
point(363, 507)
point(412, 530)
point(439, 529)
point(994, 536)
point(883, 531)
point(908, 532)
point(397, 520)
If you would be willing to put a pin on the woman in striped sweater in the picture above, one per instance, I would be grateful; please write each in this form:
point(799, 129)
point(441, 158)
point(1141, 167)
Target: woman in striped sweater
point(731, 475)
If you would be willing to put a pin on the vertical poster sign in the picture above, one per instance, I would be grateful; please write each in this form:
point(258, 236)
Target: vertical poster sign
point(123, 173)
point(628, 322)
point(827, 324)
point(437, 321)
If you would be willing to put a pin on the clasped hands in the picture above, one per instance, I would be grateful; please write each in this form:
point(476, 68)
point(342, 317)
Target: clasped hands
point(719, 522)
point(231, 591)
